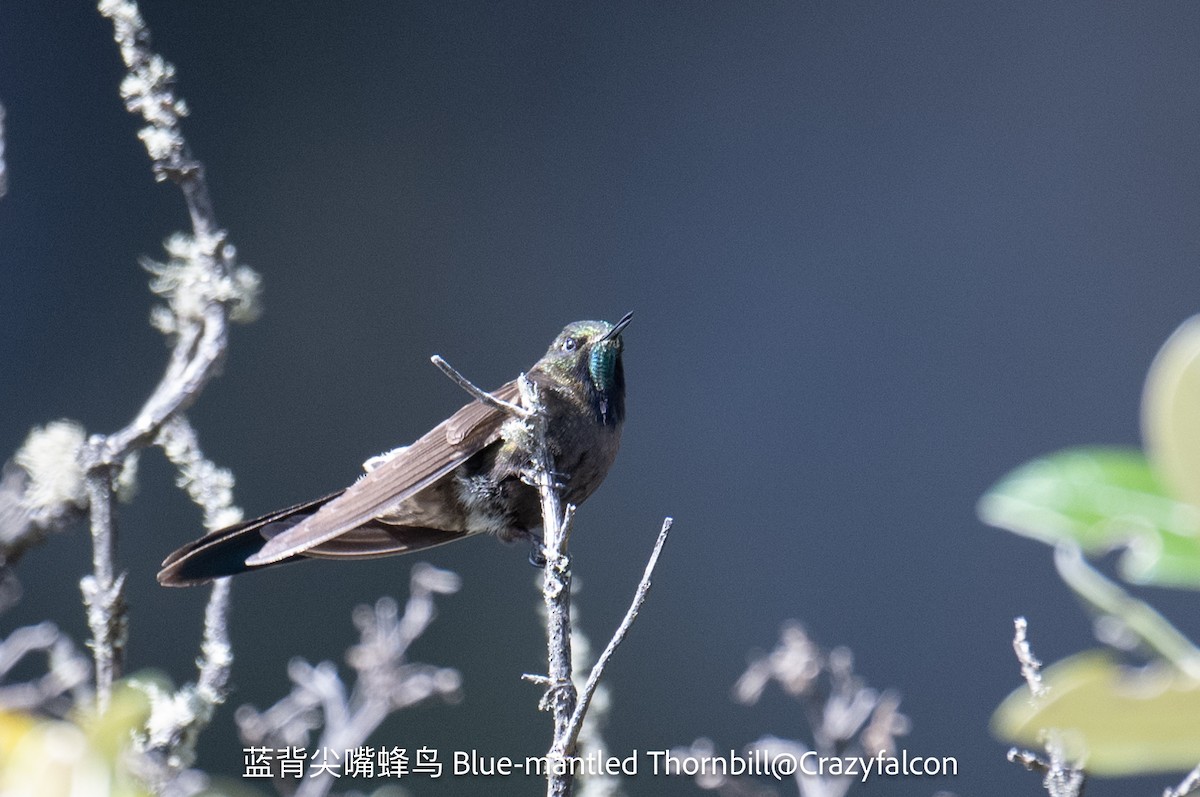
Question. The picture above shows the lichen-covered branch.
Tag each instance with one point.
(168, 742)
(204, 286)
(104, 589)
(60, 474)
(43, 489)
(148, 90)
(210, 487)
(204, 289)
(177, 718)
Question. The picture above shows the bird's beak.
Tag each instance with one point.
(616, 330)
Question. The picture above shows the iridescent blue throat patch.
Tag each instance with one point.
(602, 365)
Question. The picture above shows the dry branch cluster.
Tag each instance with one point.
(844, 716)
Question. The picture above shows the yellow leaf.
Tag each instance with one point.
(1171, 412)
(1124, 721)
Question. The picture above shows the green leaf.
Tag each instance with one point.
(1171, 412)
(1124, 721)
(1102, 499)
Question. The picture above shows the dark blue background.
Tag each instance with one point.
(879, 254)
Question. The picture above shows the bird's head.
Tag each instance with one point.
(586, 356)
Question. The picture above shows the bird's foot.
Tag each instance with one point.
(537, 551)
(533, 477)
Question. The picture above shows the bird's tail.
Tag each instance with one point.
(224, 552)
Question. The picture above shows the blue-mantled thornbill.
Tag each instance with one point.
(468, 475)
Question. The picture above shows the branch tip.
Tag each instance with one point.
(477, 392)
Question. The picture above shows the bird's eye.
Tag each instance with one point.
(570, 344)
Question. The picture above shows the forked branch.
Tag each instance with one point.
(568, 705)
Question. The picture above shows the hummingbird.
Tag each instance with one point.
(466, 476)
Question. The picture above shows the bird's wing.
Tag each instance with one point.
(381, 539)
(411, 470)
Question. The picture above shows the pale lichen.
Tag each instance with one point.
(209, 486)
(50, 455)
(189, 283)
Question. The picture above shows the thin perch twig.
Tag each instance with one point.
(561, 695)
(562, 698)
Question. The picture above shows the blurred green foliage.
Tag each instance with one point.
(1114, 718)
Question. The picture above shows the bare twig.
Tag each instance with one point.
(591, 783)
(66, 671)
(3, 166)
(477, 392)
(589, 689)
(1060, 778)
(1189, 785)
(1031, 668)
